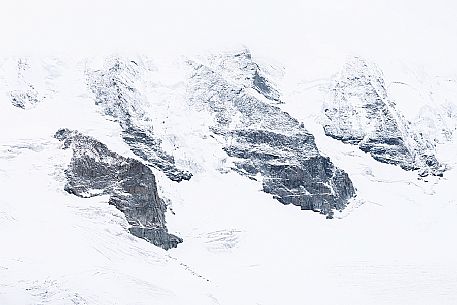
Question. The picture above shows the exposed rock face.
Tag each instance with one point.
(359, 111)
(95, 170)
(116, 92)
(245, 72)
(267, 144)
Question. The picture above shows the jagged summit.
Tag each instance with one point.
(358, 110)
(241, 69)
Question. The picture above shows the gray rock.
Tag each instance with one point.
(268, 144)
(359, 111)
(245, 72)
(95, 170)
(116, 93)
(145, 146)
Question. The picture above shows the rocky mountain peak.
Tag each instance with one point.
(358, 110)
(96, 170)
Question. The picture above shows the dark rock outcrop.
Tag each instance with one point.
(145, 146)
(359, 111)
(95, 170)
(268, 144)
(116, 93)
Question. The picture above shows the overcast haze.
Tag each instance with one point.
(423, 31)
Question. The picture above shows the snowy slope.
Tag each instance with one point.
(60, 249)
(392, 244)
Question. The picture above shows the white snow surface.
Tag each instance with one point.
(394, 244)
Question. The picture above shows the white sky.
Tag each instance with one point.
(420, 30)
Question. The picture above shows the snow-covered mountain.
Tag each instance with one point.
(360, 111)
(130, 179)
(265, 142)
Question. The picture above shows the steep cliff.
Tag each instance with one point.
(95, 170)
(266, 143)
(117, 91)
(358, 110)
